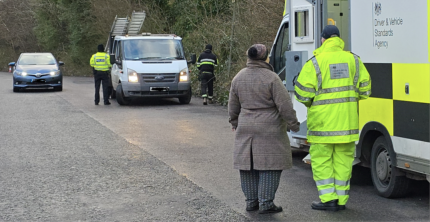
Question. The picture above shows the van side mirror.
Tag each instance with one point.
(11, 64)
(112, 59)
(61, 63)
(193, 59)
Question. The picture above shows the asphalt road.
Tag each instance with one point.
(65, 159)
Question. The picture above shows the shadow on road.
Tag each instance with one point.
(36, 90)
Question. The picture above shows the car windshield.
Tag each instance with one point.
(146, 49)
(36, 60)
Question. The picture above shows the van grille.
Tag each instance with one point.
(159, 77)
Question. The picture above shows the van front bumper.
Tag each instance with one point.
(156, 90)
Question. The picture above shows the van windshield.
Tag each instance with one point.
(146, 49)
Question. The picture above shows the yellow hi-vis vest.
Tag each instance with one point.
(100, 61)
(330, 85)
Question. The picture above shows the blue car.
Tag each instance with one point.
(37, 71)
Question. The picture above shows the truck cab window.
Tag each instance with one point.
(282, 45)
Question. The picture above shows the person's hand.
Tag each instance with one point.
(233, 129)
(296, 128)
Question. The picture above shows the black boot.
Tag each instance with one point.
(330, 206)
(274, 209)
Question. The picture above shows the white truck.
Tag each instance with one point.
(145, 64)
(392, 39)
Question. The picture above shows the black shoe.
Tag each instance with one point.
(254, 208)
(330, 206)
(341, 207)
(205, 101)
(96, 104)
(108, 103)
(274, 209)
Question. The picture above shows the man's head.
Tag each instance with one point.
(100, 48)
(208, 47)
(328, 32)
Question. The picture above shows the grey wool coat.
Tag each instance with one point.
(260, 110)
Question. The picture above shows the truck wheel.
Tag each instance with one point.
(186, 99)
(386, 177)
(120, 98)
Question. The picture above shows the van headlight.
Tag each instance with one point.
(183, 76)
(55, 73)
(132, 75)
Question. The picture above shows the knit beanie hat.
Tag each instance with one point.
(257, 52)
(209, 46)
(100, 48)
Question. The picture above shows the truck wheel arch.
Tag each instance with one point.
(369, 133)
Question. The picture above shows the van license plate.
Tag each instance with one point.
(159, 89)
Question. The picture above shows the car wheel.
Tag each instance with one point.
(58, 88)
(15, 89)
(120, 98)
(386, 177)
(186, 99)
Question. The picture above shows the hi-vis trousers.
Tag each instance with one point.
(332, 168)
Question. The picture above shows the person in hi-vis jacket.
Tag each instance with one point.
(206, 64)
(330, 84)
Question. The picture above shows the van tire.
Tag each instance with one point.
(120, 98)
(387, 179)
(15, 89)
(113, 94)
(186, 99)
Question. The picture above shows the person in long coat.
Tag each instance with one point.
(261, 112)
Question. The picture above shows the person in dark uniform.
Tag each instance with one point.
(206, 64)
(101, 64)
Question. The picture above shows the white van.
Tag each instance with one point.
(150, 65)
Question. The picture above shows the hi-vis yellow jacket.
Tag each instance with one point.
(100, 61)
(330, 85)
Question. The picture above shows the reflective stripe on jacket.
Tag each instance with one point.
(330, 85)
(100, 61)
(207, 61)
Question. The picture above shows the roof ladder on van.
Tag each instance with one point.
(119, 26)
(125, 26)
(136, 23)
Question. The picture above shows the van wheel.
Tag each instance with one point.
(58, 88)
(186, 99)
(386, 177)
(120, 98)
(113, 94)
(15, 89)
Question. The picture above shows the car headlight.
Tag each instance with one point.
(183, 76)
(132, 75)
(19, 73)
(55, 73)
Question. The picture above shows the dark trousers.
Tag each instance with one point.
(207, 82)
(103, 78)
(259, 187)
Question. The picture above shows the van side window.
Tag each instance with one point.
(113, 50)
(118, 53)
